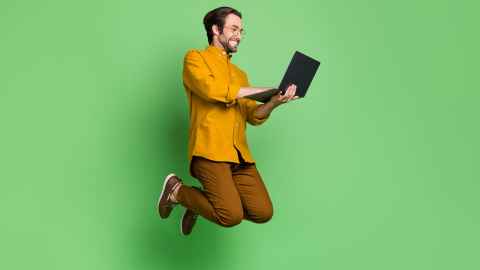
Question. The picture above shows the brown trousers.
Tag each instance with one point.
(231, 192)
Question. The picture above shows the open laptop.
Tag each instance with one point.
(300, 72)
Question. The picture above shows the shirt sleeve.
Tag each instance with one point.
(251, 105)
(198, 78)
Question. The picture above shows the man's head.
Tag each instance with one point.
(224, 28)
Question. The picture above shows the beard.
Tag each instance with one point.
(231, 45)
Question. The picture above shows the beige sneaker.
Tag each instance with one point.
(165, 204)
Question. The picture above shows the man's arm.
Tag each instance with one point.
(246, 91)
(199, 79)
(264, 110)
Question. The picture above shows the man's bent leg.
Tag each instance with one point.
(219, 200)
(253, 193)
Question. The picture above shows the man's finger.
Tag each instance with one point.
(290, 94)
(287, 94)
(290, 87)
(290, 90)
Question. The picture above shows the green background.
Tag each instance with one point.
(376, 169)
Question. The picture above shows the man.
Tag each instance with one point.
(218, 153)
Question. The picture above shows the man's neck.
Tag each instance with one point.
(218, 45)
(221, 47)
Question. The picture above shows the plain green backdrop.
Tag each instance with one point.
(376, 169)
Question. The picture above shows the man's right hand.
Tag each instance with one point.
(279, 99)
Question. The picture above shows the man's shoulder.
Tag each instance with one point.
(192, 52)
(195, 54)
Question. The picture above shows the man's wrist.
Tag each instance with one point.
(273, 104)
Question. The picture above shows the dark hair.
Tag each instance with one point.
(217, 17)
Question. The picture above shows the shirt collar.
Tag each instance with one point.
(218, 51)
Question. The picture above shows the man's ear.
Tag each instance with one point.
(215, 30)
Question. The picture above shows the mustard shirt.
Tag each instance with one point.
(217, 118)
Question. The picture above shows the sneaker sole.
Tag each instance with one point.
(163, 191)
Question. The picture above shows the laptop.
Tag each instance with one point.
(300, 71)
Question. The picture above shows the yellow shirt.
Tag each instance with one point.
(217, 118)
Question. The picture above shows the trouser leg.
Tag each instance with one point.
(253, 193)
(219, 201)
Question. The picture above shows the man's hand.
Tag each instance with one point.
(265, 109)
(279, 99)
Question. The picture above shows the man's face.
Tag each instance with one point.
(232, 33)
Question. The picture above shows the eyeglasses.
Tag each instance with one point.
(236, 31)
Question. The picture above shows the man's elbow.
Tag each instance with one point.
(257, 121)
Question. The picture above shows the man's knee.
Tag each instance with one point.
(230, 218)
(262, 215)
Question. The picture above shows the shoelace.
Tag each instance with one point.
(170, 196)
